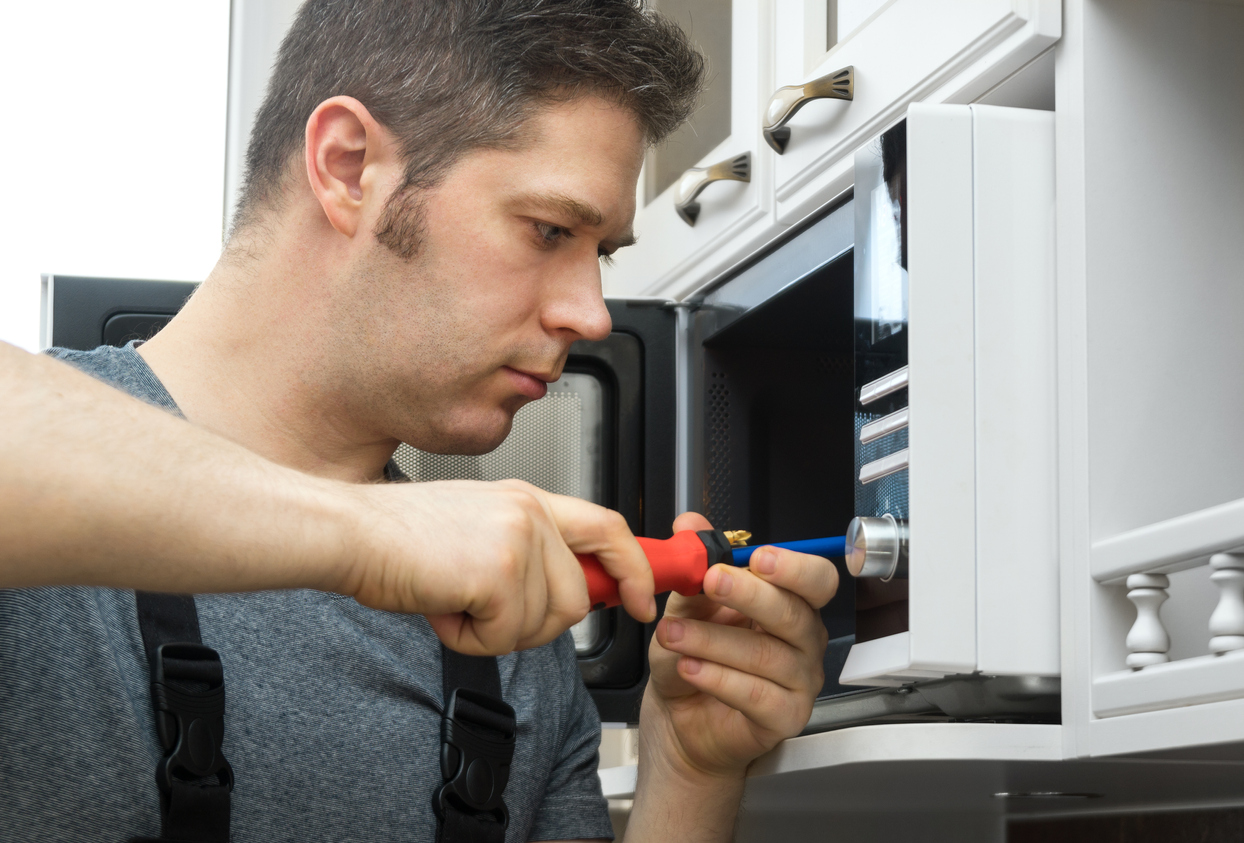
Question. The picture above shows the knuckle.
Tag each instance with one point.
(519, 519)
(758, 694)
(614, 523)
(528, 501)
(509, 563)
(767, 655)
(792, 615)
(801, 712)
(576, 610)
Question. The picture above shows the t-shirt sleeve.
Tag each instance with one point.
(574, 807)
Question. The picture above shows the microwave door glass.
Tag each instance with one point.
(880, 353)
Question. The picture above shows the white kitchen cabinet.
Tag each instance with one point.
(905, 51)
(671, 256)
(900, 51)
(1150, 133)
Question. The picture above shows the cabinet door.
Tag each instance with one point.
(901, 51)
(1150, 211)
(672, 256)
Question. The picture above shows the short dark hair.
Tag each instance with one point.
(449, 76)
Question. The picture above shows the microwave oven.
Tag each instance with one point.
(886, 370)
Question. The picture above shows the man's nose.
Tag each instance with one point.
(580, 309)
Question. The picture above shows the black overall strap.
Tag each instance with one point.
(188, 693)
(477, 746)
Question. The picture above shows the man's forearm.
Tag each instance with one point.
(97, 488)
(676, 803)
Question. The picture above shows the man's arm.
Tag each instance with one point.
(97, 488)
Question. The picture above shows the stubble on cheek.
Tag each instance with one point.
(448, 394)
(400, 228)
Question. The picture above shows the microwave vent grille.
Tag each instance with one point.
(717, 486)
(546, 446)
(887, 494)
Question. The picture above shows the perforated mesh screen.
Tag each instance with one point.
(889, 494)
(555, 444)
(717, 430)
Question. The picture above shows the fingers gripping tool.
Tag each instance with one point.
(679, 563)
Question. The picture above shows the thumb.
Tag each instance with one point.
(691, 521)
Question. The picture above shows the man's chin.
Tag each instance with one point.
(467, 443)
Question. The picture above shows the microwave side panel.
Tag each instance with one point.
(1016, 393)
(942, 565)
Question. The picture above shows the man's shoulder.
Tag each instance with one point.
(122, 368)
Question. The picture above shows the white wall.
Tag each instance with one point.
(112, 144)
(258, 27)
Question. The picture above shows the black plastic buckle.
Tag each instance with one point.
(477, 746)
(188, 689)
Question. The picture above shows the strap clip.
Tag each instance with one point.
(188, 690)
(477, 746)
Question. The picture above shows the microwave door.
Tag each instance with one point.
(631, 444)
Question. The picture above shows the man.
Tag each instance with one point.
(430, 188)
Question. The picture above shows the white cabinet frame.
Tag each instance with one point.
(936, 51)
(672, 258)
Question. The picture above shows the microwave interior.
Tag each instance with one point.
(776, 397)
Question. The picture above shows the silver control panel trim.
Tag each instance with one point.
(883, 386)
(884, 467)
(883, 426)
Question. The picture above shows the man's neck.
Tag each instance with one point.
(247, 359)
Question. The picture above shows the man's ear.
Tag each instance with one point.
(344, 146)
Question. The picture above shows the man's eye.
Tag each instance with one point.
(550, 234)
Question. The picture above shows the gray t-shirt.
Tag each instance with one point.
(332, 718)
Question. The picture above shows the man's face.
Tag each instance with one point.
(452, 341)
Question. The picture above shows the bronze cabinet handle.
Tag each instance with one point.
(839, 85)
(694, 180)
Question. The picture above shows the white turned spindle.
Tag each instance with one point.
(1226, 624)
(1147, 642)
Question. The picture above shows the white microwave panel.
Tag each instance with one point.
(1016, 392)
(983, 567)
(941, 353)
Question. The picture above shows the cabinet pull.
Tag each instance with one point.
(839, 85)
(695, 179)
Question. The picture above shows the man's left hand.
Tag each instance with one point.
(736, 669)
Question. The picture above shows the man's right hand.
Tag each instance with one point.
(491, 565)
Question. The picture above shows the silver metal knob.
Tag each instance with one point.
(877, 547)
(691, 182)
(839, 85)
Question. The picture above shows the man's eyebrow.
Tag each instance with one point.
(579, 212)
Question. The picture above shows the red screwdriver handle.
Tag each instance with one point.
(678, 564)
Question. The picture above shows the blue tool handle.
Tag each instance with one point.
(828, 547)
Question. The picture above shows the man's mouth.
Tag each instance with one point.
(530, 384)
